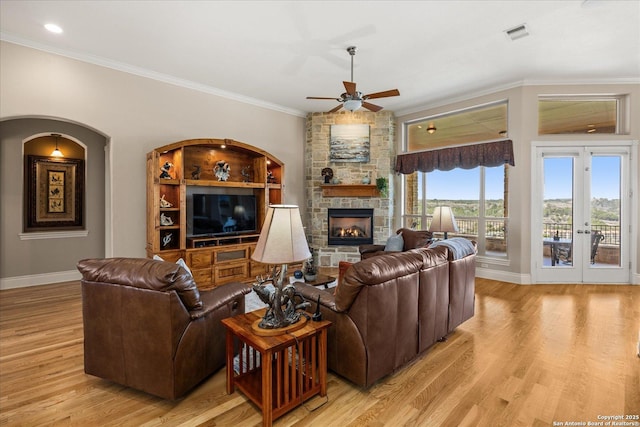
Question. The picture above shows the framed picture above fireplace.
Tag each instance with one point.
(349, 143)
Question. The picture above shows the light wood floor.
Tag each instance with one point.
(532, 355)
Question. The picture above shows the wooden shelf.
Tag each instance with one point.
(350, 190)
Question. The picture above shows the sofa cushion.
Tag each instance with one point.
(394, 243)
(143, 273)
(414, 239)
(180, 262)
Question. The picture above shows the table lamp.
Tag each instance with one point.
(443, 220)
(282, 241)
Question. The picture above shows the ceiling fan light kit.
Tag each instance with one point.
(352, 100)
(352, 104)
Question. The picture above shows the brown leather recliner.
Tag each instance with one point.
(147, 326)
(413, 239)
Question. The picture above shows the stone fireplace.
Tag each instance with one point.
(381, 163)
(349, 227)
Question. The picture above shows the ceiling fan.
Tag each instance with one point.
(352, 99)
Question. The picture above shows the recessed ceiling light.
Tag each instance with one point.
(53, 28)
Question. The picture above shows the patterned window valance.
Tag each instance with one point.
(489, 154)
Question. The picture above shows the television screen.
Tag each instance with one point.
(223, 214)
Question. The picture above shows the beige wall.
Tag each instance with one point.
(523, 122)
(136, 114)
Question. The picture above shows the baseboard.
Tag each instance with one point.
(523, 279)
(503, 276)
(39, 279)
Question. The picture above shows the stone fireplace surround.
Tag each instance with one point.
(381, 163)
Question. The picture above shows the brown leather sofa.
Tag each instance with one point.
(390, 308)
(412, 239)
(147, 326)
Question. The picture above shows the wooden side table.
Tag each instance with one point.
(279, 372)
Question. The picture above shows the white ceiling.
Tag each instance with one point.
(275, 53)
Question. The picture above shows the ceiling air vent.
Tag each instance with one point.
(518, 32)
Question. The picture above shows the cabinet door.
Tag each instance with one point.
(230, 272)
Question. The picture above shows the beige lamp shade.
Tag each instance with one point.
(282, 239)
(443, 220)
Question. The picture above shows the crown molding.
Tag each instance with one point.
(142, 72)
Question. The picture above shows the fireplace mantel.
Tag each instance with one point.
(350, 190)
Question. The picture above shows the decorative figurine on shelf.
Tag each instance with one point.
(246, 174)
(195, 173)
(327, 174)
(165, 170)
(367, 179)
(167, 239)
(270, 178)
(222, 170)
(165, 203)
(165, 220)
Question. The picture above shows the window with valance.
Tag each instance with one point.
(490, 154)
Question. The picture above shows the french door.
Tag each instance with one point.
(580, 214)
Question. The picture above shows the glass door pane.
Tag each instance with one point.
(558, 210)
(605, 210)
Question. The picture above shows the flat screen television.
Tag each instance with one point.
(220, 214)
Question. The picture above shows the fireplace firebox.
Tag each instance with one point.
(350, 227)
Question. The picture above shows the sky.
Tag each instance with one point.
(605, 177)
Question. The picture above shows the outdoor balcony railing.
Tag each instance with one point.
(495, 228)
(611, 233)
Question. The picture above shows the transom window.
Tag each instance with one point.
(482, 123)
(580, 115)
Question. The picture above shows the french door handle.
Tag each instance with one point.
(580, 231)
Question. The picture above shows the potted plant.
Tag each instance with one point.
(382, 185)
(309, 270)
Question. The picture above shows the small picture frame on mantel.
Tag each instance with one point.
(349, 143)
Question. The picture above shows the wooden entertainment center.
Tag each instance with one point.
(177, 171)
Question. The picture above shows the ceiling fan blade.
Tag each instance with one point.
(350, 87)
(371, 107)
(336, 109)
(319, 97)
(386, 93)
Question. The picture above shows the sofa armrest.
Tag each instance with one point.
(370, 248)
(311, 293)
(220, 296)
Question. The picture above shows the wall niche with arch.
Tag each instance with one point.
(54, 184)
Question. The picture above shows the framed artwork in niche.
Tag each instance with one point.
(349, 143)
(54, 194)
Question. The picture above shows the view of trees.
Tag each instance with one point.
(603, 211)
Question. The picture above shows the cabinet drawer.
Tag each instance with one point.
(200, 259)
(230, 272)
(202, 276)
(259, 269)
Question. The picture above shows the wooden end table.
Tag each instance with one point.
(279, 372)
(321, 280)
